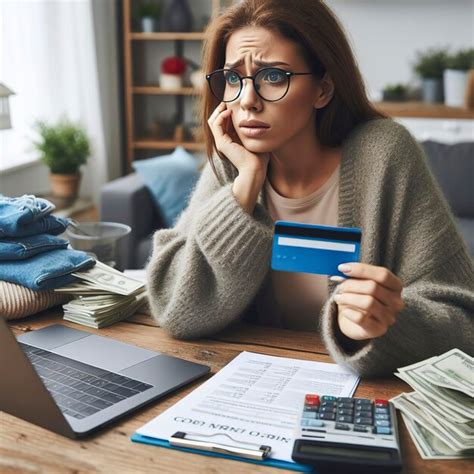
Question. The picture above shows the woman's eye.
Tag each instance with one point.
(232, 78)
(274, 76)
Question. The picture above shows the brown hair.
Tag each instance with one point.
(315, 28)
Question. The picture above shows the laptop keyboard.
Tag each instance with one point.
(79, 389)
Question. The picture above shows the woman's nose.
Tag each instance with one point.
(248, 96)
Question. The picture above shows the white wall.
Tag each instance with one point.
(386, 33)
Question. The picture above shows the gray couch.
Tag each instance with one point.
(128, 201)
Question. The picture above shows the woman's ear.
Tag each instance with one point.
(325, 91)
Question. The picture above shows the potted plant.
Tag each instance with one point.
(429, 66)
(148, 12)
(64, 147)
(395, 92)
(172, 70)
(456, 77)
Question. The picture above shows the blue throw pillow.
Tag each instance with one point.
(170, 179)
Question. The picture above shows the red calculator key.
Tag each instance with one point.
(381, 402)
(311, 399)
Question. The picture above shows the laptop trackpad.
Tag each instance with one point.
(105, 353)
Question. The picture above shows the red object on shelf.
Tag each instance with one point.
(173, 65)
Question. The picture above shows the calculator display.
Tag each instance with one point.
(349, 453)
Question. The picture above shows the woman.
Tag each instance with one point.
(296, 139)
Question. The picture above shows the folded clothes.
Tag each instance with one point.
(20, 248)
(28, 215)
(46, 270)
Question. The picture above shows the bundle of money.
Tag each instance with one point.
(103, 296)
(439, 414)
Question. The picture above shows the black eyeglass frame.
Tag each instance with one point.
(288, 74)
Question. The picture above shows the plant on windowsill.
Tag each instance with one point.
(64, 148)
(459, 67)
(395, 92)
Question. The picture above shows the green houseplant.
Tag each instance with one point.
(64, 148)
(148, 11)
(429, 66)
(395, 92)
(456, 77)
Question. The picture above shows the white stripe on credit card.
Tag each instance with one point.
(316, 244)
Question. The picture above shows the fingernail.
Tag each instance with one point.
(336, 278)
(344, 268)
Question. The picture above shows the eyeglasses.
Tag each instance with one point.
(270, 83)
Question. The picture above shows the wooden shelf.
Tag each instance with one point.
(156, 90)
(154, 144)
(423, 110)
(190, 36)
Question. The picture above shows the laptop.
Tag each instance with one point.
(73, 382)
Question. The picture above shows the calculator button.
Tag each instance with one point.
(345, 411)
(345, 418)
(314, 408)
(345, 405)
(382, 430)
(331, 405)
(327, 398)
(363, 401)
(361, 428)
(363, 421)
(327, 409)
(381, 402)
(384, 411)
(310, 414)
(327, 416)
(381, 416)
(311, 399)
(345, 400)
(382, 423)
(364, 413)
(342, 426)
(312, 423)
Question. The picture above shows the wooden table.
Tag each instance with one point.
(27, 448)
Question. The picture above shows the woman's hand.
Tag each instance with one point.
(368, 302)
(228, 143)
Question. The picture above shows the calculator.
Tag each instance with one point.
(340, 434)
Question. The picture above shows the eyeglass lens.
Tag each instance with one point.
(271, 84)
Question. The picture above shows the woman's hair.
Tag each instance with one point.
(314, 27)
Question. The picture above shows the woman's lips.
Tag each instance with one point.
(254, 132)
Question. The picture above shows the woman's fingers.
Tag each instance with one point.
(369, 304)
(364, 271)
(371, 287)
(358, 326)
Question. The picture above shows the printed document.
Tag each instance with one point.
(254, 399)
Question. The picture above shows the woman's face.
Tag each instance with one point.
(246, 50)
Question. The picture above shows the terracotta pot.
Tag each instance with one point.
(65, 186)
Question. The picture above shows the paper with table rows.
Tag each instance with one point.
(254, 399)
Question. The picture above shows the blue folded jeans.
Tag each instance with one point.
(25, 247)
(28, 215)
(46, 270)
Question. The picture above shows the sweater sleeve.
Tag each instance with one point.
(205, 271)
(438, 316)
(422, 246)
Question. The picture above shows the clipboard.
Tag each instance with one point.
(195, 443)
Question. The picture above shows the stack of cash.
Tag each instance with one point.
(103, 296)
(439, 414)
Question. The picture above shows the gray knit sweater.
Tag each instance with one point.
(213, 267)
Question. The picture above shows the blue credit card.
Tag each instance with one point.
(310, 248)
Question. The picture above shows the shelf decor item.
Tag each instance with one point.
(395, 92)
(64, 147)
(148, 12)
(456, 77)
(172, 72)
(178, 17)
(429, 66)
